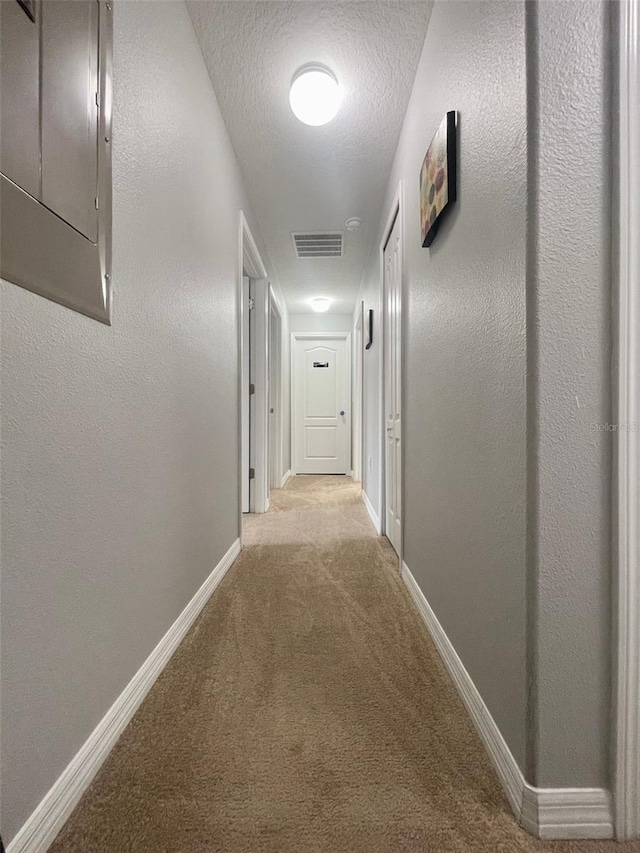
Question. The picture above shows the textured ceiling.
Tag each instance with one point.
(302, 178)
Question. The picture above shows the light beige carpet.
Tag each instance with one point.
(307, 711)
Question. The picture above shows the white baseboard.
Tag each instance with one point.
(285, 479)
(545, 812)
(505, 764)
(41, 828)
(567, 812)
(372, 513)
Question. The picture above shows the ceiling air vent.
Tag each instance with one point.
(318, 244)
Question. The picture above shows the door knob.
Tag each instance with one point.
(342, 411)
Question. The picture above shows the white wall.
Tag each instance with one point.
(320, 322)
(120, 444)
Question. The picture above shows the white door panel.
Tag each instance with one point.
(320, 386)
(392, 386)
(275, 396)
(320, 413)
(321, 442)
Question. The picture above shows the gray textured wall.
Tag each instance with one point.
(464, 306)
(569, 319)
(120, 444)
(507, 483)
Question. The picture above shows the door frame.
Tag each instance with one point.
(276, 396)
(249, 264)
(245, 415)
(395, 211)
(319, 336)
(627, 465)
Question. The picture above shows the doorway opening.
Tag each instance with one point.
(261, 390)
(253, 291)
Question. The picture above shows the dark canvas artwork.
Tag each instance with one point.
(438, 178)
(29, 7)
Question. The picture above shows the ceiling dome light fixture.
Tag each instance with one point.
(320, 304)
(353, 223)
(315, 95)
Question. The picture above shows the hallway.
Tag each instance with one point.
(297, 276)
(306, 710)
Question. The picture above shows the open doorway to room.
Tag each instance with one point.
(259, 395)
(261, 326)
(253, 291)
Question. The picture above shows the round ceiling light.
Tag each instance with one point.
(320, 304)
(315, 95)
(353, 223)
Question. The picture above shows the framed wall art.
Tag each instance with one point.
(29, 7)
(438, 178)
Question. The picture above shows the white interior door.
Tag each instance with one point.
(259, 397)
(321, 420)
(275, 369)
(246, 349)
(393, 385)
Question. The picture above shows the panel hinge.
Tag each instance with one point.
(252, 303)
(98, 99)
(96, 203)
(252, 473)
(252, 388)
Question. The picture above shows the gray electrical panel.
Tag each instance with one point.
(55, 150)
